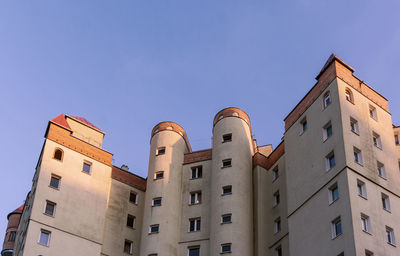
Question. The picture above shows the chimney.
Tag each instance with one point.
(125, 167)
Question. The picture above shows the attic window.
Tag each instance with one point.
(58, 154)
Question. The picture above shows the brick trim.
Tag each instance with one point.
(128, 178)
(197, 156)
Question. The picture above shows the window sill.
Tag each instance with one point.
(223, 167)
(153, 233)
(382, 177)
(392, 244)
(49, 215)
(87, 173)
(380, 148)
(195, 178)
(193, 204)
(134, 228)
(367, 232)
(225, 252)
(226, 194)
(135, 203)
(363, 197)
(156, 205)
(225, 141)
(333, 238)
(330, 203)
(323, 140)
(387, 210)
(356, 133)
(194, 231)
(43, 245)
(228, 222)
(54, 188)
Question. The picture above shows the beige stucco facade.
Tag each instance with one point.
(308, 196)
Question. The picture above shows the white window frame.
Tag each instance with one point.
(278, 251)
(325, 134)
(227, 244)
(277, 225)
(134, 221)
(376, 140)
(161, 151)
(154, 225)
(54, 208)
(228, 160)
(195, 222)
(381, 170)
(226, 215)
(197, 197)
(333, 227)
(158, 178)
(362, 189)
(130, 247)
(390, 238)
(136, 197)
(276, 199)
(372, 113)
(328, 161)
(88, 164)
(365, 223)
(196, 170)
(195, 247)
(331, 190)
(385, 202)
(56, 177)
(303, 125)
(227, 137)
(327, 100)
(354, 126)
(43, 231)
(275, 173)
(226, 187)
(154, 199)
(357, 156)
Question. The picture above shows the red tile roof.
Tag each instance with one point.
(16, 211)
(85, 121)
(60, 120)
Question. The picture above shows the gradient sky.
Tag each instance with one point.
(126, 65)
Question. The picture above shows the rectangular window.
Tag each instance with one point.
(354, 125)
(226, 248)
(131, 221)
(327, 131)
(381, 170)
(11, 238)
(133, 197)
(50, 208)
(159, 175)
(194, 224)
(194, 251)
(330, 161)
(128, 247)
(327, 99)
(154, 229)
(365, 223)
(55, 181)
(333, 193)
(372, 113)
(275, 173)
(368, 253)
(277, 225)
(385, 202)
(227, 190)
(87, 166)
(156, 201)
(226, 163)
(303, 125)
(160, 151)
(336, 227)
(396, 139)
(226, 218)
(44, 238)
(357, 156)
(197, 172)
(276, 198)
(227, 137)
(195, 198)
(278, 251)
(361, 189)
(376, 139)
(390, 236)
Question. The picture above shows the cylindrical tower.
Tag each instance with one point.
(161, 221)
(231, 184)
(11, 232)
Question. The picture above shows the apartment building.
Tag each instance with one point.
(331, 187)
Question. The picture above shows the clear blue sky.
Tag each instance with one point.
(127, 65)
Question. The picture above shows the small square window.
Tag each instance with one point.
(133, 197)
(327, 99)
(275, 173)
(160, 151)
(157, 201)
(50, 208)
(227, 137)
(390, 236)
(354, 125)
(226, 163)
(372, 113)
(226, 218)
(365, 223)
(277, 225)
(303, 125)
(385, 202)
(44, 238)
(330, 161)
(128, 247)
(227, 190)
(376, 139)
(333, 193)
(154, 229)
(368, 253)
(276, 198)
(327, 131)
(226, 248)
(131, 221)
(197, 172)
(381, 170)
(357, 156)
(159, 175)
(336, 227)
(194, 251)
(55, 181)
(361, 189)
(86, 167)
(194, 224)
(195, 198)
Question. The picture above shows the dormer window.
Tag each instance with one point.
(58, 154)
(327, 99)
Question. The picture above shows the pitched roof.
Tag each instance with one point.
(86, 122)
(16, 211)
(60, 120)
